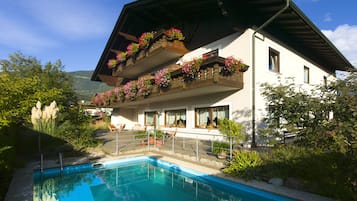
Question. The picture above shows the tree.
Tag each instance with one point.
(24, 81)
(308, 114)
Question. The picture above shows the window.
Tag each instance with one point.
(175, 118)
(306, 75)
(150, 118)
(209, 116)
(274, 60)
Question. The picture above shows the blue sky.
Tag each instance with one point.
(76, 31)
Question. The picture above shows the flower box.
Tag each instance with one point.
(160, 52)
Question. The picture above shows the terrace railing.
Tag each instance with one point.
(198, 147)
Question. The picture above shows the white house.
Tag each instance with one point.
(273, 37)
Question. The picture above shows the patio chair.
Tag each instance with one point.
(112, 128)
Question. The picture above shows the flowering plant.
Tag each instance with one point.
(145, 86)
(191, 68)
(121, 56)
(112, 63)
(174, 34)
(162, 78)
(119, 94)
(132, 49)
(231, 65)
(145, 39)
(102, 100)
(109, 95)
(130, 90)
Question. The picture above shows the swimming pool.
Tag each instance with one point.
(140, 178)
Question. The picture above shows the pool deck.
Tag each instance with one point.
(21, 187)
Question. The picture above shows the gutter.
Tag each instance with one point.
(253, 144)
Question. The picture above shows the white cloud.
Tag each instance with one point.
(345, 39)
(19, 36)
(77, 19)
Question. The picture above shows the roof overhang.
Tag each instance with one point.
(204, 21)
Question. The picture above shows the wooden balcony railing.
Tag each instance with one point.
(207, 81)
(160, 52)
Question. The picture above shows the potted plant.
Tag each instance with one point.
(112, 63)
(162, 78)
(109, 96)
(119, 94)
(232, 64)
(121, 56)
(142, 136)
(220, 149)
(130, 90)
(190, 69)
(145, 40)
(159, 136)
(174, 34)
(144, 86)
(132, 49)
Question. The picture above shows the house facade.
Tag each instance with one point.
(290, 46)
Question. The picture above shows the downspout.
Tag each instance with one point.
(253, 66)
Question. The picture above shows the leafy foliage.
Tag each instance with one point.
(231, 128)
(218, 147)
(24, 81)
(308, 115)
(243, 164)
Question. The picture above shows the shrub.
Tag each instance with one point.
(244, 164)
(218, 147)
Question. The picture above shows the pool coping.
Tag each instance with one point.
(21, 187)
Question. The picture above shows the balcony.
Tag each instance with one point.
(160, 53)
(208, 81)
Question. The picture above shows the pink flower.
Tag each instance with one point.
(145, 39)
(231, 65)
(121, 56)
(132, 48)
(130, 90)
(102, 100)
(145, 86)
(174, 34)
(162, 78)
(191, 68)
(112, 63)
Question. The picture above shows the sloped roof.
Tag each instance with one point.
(204, 21)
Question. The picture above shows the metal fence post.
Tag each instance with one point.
(148, 138)
(230, 148)
(116, 142)
(197, 149)
(154, 138)
(173, 145)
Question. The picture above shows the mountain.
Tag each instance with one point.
(86, 88)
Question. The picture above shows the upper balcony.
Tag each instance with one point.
(160, 53)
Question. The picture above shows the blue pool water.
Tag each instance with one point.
(139, 179)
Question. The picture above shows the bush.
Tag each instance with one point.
(79, 136)
(332, 174)
(218, 147)
(244, 164)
